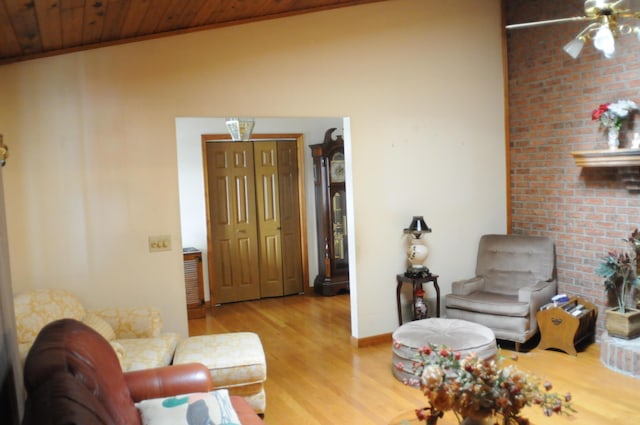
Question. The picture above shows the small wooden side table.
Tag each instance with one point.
(416, 282)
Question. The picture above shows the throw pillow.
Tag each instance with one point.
(212, 408)
(99, 325)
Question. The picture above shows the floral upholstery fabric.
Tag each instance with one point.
(254, 394)
(236, 362)
(120, 326)
(23, 350)
(145, 353)
(99, 325)
(140, 322)
(34, 309)
(119, 349)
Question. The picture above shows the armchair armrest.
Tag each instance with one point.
(168, 381)
(541, 292)
(467, 286)
(538, 294)
(135, 322)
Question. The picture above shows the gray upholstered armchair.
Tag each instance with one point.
(515, 275)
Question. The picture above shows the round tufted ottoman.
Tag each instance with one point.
(459, 335)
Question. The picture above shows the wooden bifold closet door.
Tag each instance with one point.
(254, 220)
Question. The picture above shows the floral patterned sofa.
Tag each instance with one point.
(134, 333)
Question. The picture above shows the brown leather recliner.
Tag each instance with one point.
(72, 376)
(515, 275)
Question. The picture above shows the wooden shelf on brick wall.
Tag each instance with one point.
(626, 160)
(608, 158)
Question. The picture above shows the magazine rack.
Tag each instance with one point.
(566, 325)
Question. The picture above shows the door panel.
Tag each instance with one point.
(223, 265)
(266, 171)
(235, 261)
(290, 217)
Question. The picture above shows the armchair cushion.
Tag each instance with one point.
(510, 262)
(490, 303)
(508, 282)
(99, 325)
(142, 353)
(136, 322)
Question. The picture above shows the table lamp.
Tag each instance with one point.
(417, 252)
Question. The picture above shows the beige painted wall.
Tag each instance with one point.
(93, 169)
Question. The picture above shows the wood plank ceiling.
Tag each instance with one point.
(37, 28)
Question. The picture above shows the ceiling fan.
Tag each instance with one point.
(609, 21)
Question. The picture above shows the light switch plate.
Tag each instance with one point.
(160, 243)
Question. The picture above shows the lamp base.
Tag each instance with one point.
(418, 272)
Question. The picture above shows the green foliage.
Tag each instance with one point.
(619, 271)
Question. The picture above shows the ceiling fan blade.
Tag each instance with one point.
(552, 21)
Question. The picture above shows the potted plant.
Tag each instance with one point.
(621, 280)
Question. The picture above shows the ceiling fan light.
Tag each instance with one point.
(574, 47)
(604, 41)
(240, 129)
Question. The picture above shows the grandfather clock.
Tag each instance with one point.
(331, 215)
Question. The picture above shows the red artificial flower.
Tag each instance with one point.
(597, 113)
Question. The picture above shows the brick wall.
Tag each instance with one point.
(551, 95)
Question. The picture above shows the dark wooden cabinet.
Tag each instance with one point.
(331, 215)
(193, 283)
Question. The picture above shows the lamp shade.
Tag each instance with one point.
(574, 47)
(417, 226)
(604, 41)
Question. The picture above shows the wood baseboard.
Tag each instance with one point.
(371, 340)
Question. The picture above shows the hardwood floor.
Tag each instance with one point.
(316, 377)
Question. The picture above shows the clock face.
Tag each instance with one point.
(337, 168)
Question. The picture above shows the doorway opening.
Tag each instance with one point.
(254, 192)
(189, 131)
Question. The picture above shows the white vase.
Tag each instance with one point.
(613, 139)
(635, 142)
(417, 253)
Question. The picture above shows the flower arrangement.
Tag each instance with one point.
(479, 389)
(613, 115)
(619, 269)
